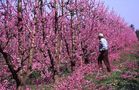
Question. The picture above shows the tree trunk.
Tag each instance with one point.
(52, 64)
(48, 50)
(8, 60)
(19, 81)
(73, 42)
(57, 33)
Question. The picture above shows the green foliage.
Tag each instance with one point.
(64, 70)
(33, 77)
(112, 80)
(126, 84)
(35, 74)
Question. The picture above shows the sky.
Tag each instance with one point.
(128, 9)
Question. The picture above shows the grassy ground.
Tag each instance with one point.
(126, 77)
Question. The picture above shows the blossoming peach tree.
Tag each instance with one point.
(39, 35)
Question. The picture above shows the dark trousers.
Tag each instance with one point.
(103, 56)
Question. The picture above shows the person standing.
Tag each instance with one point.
(103, 53)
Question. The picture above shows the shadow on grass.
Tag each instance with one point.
(126, 84)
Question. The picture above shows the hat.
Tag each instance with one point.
(100, 35)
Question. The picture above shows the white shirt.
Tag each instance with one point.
(103, 44)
